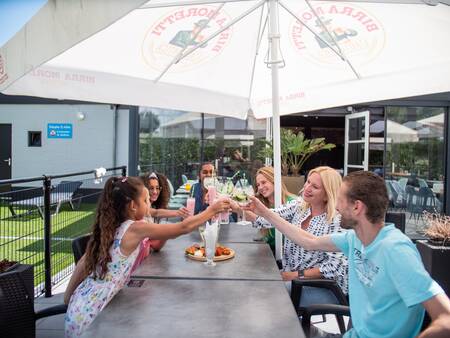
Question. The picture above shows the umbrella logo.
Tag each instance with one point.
(182, 30)
(3, 75)
(358, 33)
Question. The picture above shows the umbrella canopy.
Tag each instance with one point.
(433, 121)
(130, 52)
(395, 132)
(223, 57)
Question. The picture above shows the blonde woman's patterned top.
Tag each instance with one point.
(332, 265)
(92, 295)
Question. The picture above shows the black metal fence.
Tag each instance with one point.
(40, 216)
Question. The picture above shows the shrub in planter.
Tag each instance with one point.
(438, 230)
(6, 265)
(435, 251)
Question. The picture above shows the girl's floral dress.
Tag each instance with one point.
(91, 296)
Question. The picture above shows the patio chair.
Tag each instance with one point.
(79, 246)
(63, 192)
(429, 201)
(296, 293)
(176, 201)
(398, 195)
(338, 310)
(17, 315)
(398, 218)
(414, 203)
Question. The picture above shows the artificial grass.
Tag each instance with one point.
(22, 238)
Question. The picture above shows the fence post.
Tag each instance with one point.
(124, 171)
(47, 237)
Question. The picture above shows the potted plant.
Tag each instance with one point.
(435, 251)
(7, 265)
(267, 151)
(295, 151)
(300, 149)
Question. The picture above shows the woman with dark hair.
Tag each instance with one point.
(158, 188)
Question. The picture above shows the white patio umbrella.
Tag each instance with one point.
(223, 57)
(395, 132)
(433, 121)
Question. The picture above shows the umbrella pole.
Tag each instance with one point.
(274, 38)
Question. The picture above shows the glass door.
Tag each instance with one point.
(356, 147)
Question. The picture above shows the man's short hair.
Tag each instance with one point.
(370, 189)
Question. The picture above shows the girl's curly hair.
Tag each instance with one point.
(112, 211)
(162, 201)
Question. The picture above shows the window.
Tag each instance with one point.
(34, 138)
(415, 161)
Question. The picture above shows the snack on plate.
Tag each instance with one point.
(198, 251)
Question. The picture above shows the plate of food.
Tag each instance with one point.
(197, 253)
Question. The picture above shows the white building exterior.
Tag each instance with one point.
(99, 138)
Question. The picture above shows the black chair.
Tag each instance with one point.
(17, 315)
(79, 246)
(398, 218)
(414, 202)
(296, 293)
(338, 310)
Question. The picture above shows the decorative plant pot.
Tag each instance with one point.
(295, 171)
(439, 242)
(284, 169)
(435, 259)
(294, 183)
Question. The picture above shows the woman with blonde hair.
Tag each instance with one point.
(264, 191)
(314, 211)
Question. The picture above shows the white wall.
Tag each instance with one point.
(91, 145)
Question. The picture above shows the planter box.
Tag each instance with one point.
(294, 183)
(436, 259)
(16, 302)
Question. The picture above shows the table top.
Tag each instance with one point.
(199, 308)
(232, 233)
(251, 262)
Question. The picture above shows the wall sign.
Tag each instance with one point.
(59, 130)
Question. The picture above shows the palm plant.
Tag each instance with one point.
(301, 148)
(267, 151)
(295, 150)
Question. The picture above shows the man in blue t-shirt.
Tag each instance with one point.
(389, 288)
(198, 191)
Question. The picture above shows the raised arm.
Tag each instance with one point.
(166, 213)
(141, 229)
(297, 235)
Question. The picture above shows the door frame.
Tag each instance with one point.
(364, 140)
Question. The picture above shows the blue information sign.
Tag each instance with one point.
(59, 130)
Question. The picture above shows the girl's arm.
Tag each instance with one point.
(141, 229)
(77, 277)
(166, 213)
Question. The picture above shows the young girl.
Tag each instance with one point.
(116, 235)
(159, 195)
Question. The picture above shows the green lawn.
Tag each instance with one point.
(22, 237)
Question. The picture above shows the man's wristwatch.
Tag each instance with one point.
(301, 273)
